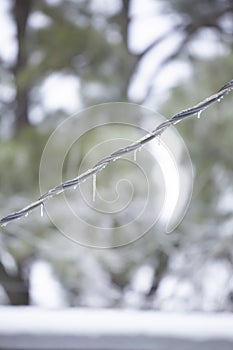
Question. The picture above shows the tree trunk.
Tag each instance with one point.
(15, 286)
(21, 11)
(160, 271)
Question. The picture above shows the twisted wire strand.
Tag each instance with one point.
(101, 164)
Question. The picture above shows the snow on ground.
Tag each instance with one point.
(96, 322)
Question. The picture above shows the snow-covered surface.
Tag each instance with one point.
(86, 329)
(16, 320)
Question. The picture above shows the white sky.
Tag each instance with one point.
(8, 47)
(61, 91)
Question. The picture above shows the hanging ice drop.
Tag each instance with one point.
(199, 114)
(41, 209)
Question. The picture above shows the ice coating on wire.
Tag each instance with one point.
(133, 147)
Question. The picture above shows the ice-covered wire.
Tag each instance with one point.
(197, 109)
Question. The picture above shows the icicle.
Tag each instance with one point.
(220, 98)
(135, 155)
(75, 186)
(41, 210)
(5, 223)
(199, 114)
(26, 215)
(139, 149)
(93, 187)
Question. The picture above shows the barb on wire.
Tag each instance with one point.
(197, 109)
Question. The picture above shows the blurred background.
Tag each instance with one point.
(58, 57)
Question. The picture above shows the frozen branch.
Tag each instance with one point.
(186, 113)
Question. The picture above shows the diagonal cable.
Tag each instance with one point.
(186, 113)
